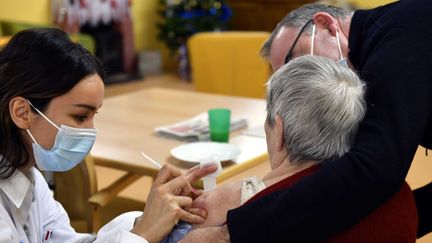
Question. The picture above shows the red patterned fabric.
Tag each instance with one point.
(125, 26)
(395, 221)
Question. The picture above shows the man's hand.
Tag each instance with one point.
(209, 235)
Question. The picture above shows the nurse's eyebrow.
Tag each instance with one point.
(89, 107)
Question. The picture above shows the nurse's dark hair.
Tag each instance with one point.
(37, 64)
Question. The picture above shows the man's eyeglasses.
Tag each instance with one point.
(288, 57)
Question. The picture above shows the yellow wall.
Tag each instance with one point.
(32, 11)
(369, 3)
(144, 14)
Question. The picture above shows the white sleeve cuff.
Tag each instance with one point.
(127, 236)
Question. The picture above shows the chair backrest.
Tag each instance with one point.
(4, 40)
(73, 189)
(229, 63)
(87, 206)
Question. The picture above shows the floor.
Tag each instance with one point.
(171, 81)
(419, 174)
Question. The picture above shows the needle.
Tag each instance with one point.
(151, 160)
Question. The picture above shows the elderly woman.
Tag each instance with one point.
(314, 107)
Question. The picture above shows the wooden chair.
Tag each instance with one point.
(229, 63)
(89, 209)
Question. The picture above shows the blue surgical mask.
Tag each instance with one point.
(70, 147)
(342, 61)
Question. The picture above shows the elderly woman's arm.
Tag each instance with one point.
(217, 202)
(218, 234)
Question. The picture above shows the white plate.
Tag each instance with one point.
(194, 152)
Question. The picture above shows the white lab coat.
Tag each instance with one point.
(29, 213)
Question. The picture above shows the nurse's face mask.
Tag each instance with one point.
(342, 59)
(70, 147)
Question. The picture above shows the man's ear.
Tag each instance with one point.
(323, 20)
(19, 110)
(279, 133)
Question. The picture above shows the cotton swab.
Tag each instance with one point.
(151, 160)
(209, 181)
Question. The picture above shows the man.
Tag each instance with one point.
(390, 48)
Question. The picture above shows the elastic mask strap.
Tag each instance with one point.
(42, 114)
(313, 39)
(29, 133)
(338, 44)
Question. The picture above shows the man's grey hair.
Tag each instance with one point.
(298, 17)
(321, 104)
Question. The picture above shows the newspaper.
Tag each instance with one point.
(196, 128)
(258, 132)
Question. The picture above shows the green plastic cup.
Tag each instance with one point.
(219, 120)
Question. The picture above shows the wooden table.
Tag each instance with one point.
(126, 125)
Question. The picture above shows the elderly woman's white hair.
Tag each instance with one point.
(321, 104)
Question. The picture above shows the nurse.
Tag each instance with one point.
(50, 91)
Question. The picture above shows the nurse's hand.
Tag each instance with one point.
(169, 201)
